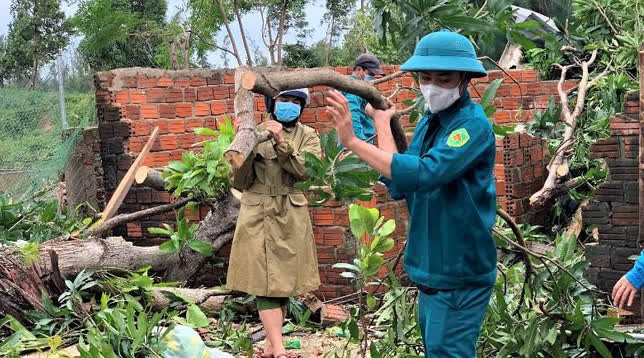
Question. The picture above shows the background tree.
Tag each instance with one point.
(338, 12)
(37, 33)
(121, 33)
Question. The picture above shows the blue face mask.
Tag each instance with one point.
(287, 111)
(369, 78)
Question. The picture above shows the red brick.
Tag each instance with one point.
(190, 95)
(186, 140)
(133, 112)
(535, 89)
(500, 188)
(511, 103)
(624, 125)
(334, 237)
(220, 92)
(137, 96)
(218, 107)
(165, 81)
(502, 117)
(569, 84)
(518, 90)
(174, 95)
(141, 129)
(326, 255)
(193, 123)
(204, 93)
(135, 144)
(167, 111)
(134, 230)
(146, 82)
(323, 217)
(230, 108)
(229, 79)
(198, 81)
(150, 111)
(123, 97)
(162, 124)
(182, 82)
(177, 154)
(129, 82)
(308, 116)
(529, 76)
(177, 126)
(202, 109)
(184, 110)
(155, 95)
(168, 142)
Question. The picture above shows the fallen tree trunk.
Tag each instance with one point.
(271, 84)
(210, 301)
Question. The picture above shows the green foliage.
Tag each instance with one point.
(365, 223)
(184, 236)
(337, 174)
(37, 33)
(559, 317)
(204, 173)
(120, 33)
(34, 221)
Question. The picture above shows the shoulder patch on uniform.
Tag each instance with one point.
(458, 138)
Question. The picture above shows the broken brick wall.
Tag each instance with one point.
(614, 210)
(130, 102)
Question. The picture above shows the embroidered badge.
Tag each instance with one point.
(458, 138)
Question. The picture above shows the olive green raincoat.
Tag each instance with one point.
(273, 252)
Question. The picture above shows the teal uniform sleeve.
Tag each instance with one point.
(444, 162)
(358, 115)
(636, 275)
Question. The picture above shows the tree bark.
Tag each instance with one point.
(210, 301)
(247, 137)
(173, 55)
(121, 219)
(34, 70)
(151, 178)
(558, 166)
(281, 32)
(230, 33)
(249, 59)
(271, 83)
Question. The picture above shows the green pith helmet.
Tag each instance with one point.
(444, 51)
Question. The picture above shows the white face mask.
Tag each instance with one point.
(439, 98)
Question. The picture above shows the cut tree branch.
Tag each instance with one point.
(558, 166)
(387, 78)
(272, 83)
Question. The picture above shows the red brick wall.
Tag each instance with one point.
(614, 210)
(130, 102)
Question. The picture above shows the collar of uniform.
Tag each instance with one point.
(291, 128)
(445, 115)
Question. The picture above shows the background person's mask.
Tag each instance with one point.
(287, 111)
(439, 98)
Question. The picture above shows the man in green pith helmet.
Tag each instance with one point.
(446, 176)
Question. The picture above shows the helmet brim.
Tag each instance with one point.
(444, 63)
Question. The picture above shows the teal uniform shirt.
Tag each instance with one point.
(363, 126)
(447, 178)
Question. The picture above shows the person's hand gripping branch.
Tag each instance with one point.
(338, 110)
(275, 129)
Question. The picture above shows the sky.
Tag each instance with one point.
(252, 25)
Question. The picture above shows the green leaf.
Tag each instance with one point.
(195, 317)
(371, 301)
(413, 117)
(387, 228)
(346, 267)
(599, 345)
(353, 329)
(168, 246)
(160, 231)
(372, 265)
(201, 247)
(408, 102)
(467, 22)
(490, 92)
(293, 344)
(373, 350)
(205, 131)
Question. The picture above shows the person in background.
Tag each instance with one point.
(367, 68)
(447, 178)
(626, 288)
(273, 253)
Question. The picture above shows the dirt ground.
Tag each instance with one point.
(314, 344)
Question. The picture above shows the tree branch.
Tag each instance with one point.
(243, 33)
(230, 33)
(281, 33)
(387, 78)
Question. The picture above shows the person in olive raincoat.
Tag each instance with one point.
(447, 178)
(273, 252)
